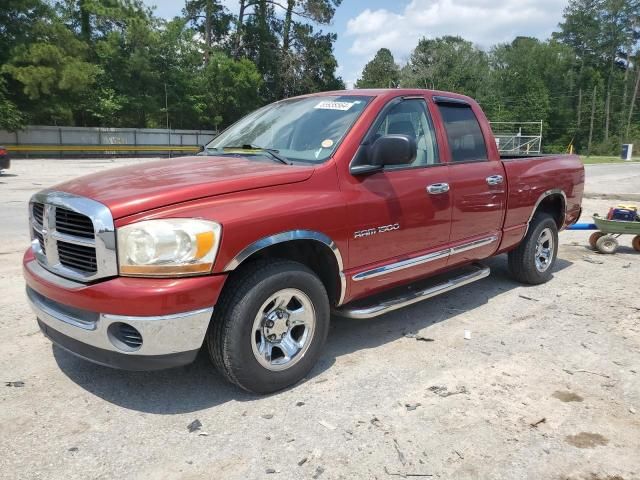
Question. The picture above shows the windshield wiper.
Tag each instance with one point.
(275, 154)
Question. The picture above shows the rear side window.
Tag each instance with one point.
(463, 131)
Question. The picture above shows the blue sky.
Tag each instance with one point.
(364, 26)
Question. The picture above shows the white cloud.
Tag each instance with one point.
(484, 22)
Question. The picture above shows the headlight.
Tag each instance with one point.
(167, 248)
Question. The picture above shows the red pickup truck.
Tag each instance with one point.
(354, 203)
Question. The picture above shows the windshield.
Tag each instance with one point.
(301, 129)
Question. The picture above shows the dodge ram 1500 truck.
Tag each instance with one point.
(354, 203)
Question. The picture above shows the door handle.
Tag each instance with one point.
(495, 180)
(436, 188)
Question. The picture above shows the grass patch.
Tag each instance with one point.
(594, 160)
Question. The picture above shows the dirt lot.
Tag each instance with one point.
(547, 387)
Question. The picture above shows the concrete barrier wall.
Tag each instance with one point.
(37, 139)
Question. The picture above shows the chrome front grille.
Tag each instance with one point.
(38, 235)
(38, 213)
(73, 223)
(77, 256)
(73, 236)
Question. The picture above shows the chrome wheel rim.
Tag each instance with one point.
(544, 250)
(283, 329)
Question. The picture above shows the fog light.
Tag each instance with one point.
(124, 337)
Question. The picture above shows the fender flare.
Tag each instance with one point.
(548, 193)
(289, 236)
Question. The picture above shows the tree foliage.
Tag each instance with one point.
(381, 72)
(114, 63)
(590, 66)
(447, 63)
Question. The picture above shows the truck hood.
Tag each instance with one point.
(137, 188)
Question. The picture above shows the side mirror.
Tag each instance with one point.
(393, 150)
(387, 150)
(200, 148)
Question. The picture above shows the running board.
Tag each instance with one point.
(399, 298)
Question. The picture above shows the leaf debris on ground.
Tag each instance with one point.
(444, 392)
(17, 383)
(535, 424)
(571, 372)
(592, 260)
(194, 426)
(406, 475)
(401, 457)
(327, 425)
(418, 337)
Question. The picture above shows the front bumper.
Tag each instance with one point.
(167, 341)
(88, 319)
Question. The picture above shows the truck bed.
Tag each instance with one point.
(529, 177)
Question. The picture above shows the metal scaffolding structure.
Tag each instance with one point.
(518, 137)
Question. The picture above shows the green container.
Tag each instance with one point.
(616, 226)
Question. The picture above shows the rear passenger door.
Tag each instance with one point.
(477, 183)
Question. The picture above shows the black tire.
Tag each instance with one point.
(522, 260)
(231, 334)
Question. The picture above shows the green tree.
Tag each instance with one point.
(317, 11)
(113, 63)
(381, 72)
(447, 63)
(229, 90)
(212, 21)
(53, 71)
(10, 117)
(309, 65)
(534, 81)
(604, 35)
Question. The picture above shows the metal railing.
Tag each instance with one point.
(518, 137)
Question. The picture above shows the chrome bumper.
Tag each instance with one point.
(87, 334)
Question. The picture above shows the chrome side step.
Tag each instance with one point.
(369, 308)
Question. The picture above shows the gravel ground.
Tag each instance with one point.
(547, 387)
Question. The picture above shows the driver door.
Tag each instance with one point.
(398, 226)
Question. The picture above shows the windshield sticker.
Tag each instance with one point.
(328, 143)
(326, 105)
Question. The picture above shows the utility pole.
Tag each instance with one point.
(166, 103)
(633, 100)
(579, 108)
(593, 114)
(607, 106)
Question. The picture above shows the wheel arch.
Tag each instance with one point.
(553, 202)
(313, 249)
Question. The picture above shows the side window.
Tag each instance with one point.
(410, 117)
(463, 131)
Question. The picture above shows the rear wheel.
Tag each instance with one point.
(607, 244)
(636, 243)
(270, 327)
(532, 261)
(593, 239)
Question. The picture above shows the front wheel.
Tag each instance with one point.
(532, 261)
(270, 327)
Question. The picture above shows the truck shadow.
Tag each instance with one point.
(198, 386)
